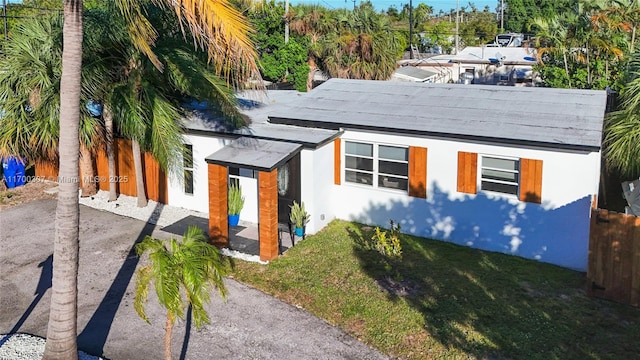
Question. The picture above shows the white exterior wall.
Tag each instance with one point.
(204, 146)
(556, 231)
(316, 168)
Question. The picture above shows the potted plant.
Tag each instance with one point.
(299, 217)
(235, 203)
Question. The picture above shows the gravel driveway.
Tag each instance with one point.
(250, 325)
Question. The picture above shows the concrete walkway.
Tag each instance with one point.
(250, 325)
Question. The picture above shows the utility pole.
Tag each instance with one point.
(286, 21)
(410, 29)
(457, 24)
(501, 15)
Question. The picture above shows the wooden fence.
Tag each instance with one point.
(613, 271)
(155, 178)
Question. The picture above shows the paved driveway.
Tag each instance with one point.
(250, 325)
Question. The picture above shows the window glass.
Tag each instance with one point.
(393, 153)
(354, 148)
(393, 168)
(187, 156)
(498, 187)
(496, 163)
(359, 177)
(188, 181)
(357, 163)
(391, 182)
(499, 175)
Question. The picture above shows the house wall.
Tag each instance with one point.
(203, 146)
(555, 231)
(317, 186)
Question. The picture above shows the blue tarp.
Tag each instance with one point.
(13, 171)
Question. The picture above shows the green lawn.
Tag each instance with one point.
(447, 301)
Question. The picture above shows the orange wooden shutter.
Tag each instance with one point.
(418, 172)
(336, 161)
(467, 172)
(531, 180)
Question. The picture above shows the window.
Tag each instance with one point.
(521, 177)
(187, 158)
(376, 165)
(499, 175)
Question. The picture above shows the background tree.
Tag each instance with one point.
(183, 272)
(29, 94)
(313, 22)
(518, 13)
(364, 46)
(622, 127)
(279, 61)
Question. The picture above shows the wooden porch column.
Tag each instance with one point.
(218, 221)
(268, 214)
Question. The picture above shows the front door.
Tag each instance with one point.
(288, 187)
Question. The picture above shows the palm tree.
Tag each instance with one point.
(622, 128)
(219, 28)
(312, 21)
(553, 38)
(63, 324)
(147, 103)
(29, 94)
(363, 47)
(183, 272)
(627, 16)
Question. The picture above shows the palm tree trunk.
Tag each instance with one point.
(633, 39)
(111, 156)
(589, 79)
(566, 68)
(88, 182)
(167, 336)
(137, 164)
(62, 328)
(312, 73)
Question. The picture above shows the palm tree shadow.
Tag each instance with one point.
(44, 283)
(94, 335)
(187, 335)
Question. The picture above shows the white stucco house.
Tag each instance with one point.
(507, 169)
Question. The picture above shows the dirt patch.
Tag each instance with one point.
(34, 190)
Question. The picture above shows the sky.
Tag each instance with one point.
(437, 5)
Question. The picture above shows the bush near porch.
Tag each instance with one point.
(446, 301)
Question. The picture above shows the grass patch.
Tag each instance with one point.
(446, 301)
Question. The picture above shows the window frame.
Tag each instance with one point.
(518, 173)
(375, 172)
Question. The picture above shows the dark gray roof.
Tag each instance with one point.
(256, 154)
(559, 118)
(256, 105)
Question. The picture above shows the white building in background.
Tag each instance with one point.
(486, 65)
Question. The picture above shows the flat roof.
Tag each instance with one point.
(556, 118)
(415, 72)
(256, 106)
(255, 154)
